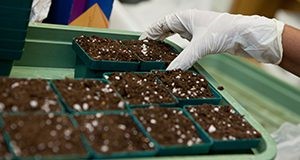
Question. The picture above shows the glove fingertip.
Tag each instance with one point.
(143, 36)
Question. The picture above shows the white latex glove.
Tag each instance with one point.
(211, 33)
(39, 10)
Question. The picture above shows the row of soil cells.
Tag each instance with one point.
(107, 134)
(54, 134)
(36, 95)
(126, 50)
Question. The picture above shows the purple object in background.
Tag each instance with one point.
(77, 9)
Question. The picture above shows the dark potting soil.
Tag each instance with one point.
(105, 49)
(126, 50)
(222, 122)
(25, 95)
(3, 148)
(140, 88)
(221, 88)
(168, 126)
(151, 50)
(113, 133)
(89, 95)
(43, 135)
(185, 84)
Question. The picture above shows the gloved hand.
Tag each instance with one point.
(211, 33)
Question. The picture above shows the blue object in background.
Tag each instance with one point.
(60, 12)
(105, 5)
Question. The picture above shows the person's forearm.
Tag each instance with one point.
(291, 50)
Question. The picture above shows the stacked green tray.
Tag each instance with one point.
(14, 17)
(55, 40)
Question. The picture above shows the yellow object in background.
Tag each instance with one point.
(93, 17)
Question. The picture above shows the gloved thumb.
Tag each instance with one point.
(187, 57)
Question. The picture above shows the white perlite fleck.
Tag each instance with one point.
(165, 115)
(67, 132)
(14, 85)
(53, 133)
(179, 140)
(33, 103)
(14, 108)
(104, 148)
(77, 107)
(122, 126)
(89, 127)
(121, 104)
(98, 115)
(189, 143)
(146, 98)
(231, 138)
(2, 106)
(85, 106)
(212, 129)
(16, 148)
(153, 121)
(232, 111)
(95, 123)
(216, 109)
(149, 129)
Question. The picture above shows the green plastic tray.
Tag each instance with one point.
(55, 40)
(83, 71)
(201, 148)
(95, 155)
(16, 3)
(150, 65)
(5, 67)
(8, 155)
(237, 146)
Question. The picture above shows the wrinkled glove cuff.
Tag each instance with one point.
(279, 29)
